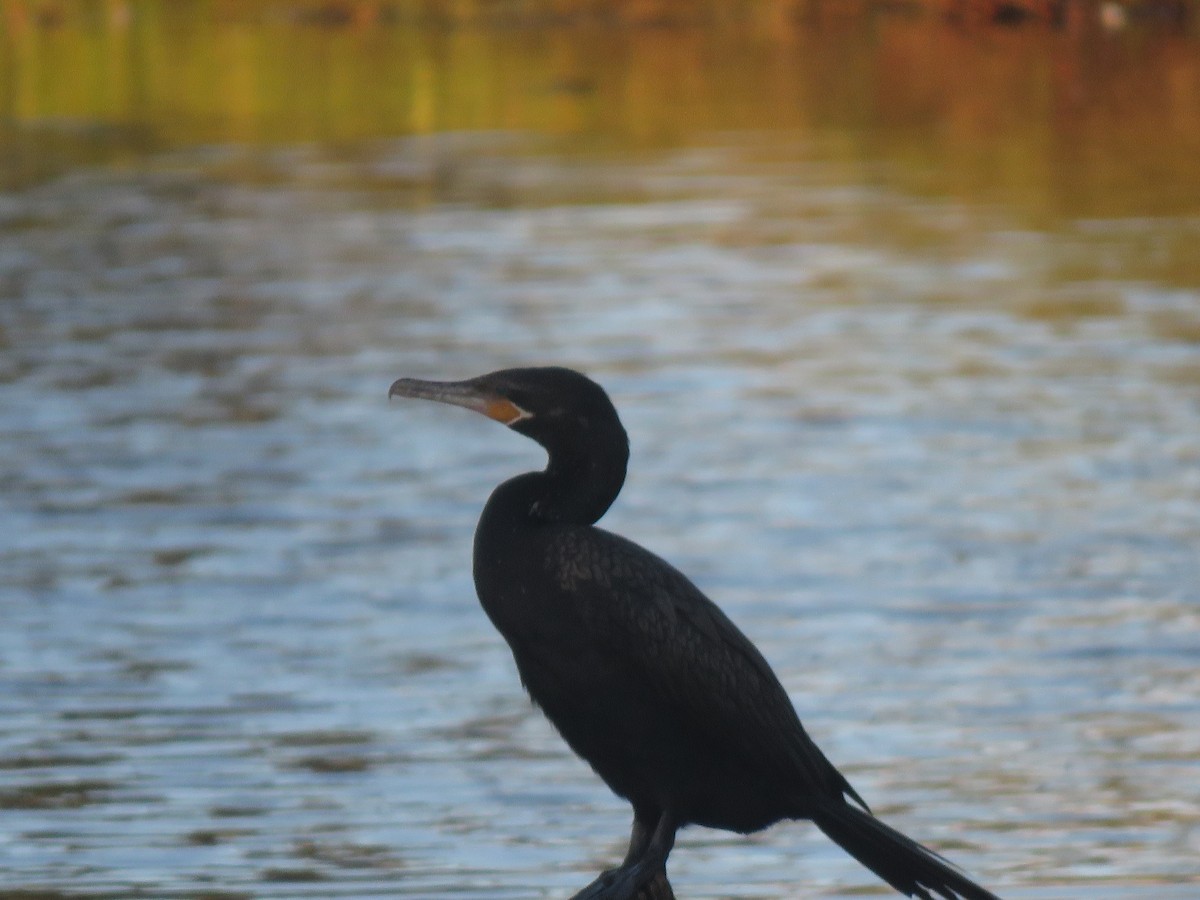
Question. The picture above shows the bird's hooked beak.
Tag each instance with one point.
(470, 394)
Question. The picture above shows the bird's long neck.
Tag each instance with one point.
(581, 481)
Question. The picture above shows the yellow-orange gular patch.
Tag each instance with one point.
(505, 411)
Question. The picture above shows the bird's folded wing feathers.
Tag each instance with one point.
(688, 652)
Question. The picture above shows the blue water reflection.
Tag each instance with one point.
(945, 477)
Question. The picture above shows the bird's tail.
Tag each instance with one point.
(913, 870)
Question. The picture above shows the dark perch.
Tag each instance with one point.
(643, 676)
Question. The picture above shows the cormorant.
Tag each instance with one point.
(644, 676)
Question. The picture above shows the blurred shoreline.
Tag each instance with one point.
(1054, 121)
(774, 16)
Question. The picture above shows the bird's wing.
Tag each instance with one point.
(688, 654)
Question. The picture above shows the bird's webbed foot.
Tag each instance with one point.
(643, 875)
(600, 887)
(629, 882)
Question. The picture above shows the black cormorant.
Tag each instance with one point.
(644, 677)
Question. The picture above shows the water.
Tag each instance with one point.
(940, 458)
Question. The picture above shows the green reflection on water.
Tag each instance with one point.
(1050, 123)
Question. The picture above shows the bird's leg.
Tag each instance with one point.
(640, 868)
(639, 839)
(639, 835)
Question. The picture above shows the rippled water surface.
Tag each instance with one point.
(941, 464)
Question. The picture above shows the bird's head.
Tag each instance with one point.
(566, 412)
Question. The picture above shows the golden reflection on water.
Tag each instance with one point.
(1052, 123)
